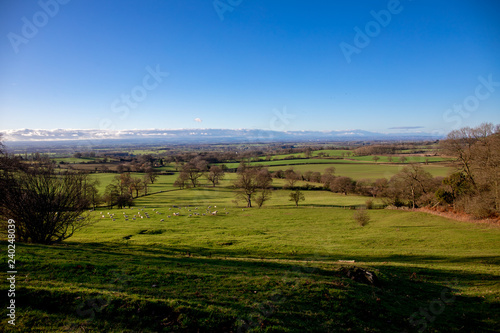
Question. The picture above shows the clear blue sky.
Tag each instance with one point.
(241, 67)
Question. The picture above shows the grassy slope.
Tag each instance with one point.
(271, 269)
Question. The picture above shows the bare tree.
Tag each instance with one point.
(92, 192)
(413, 182)
(137, 185)
(477, 156)
(297, 196)
(215, 174)
(47, 208)
(263, 196)
(181, 180)
(379, 188)
(342, 185)
(291, 178)
(250, 181)
(145, 184)
(195, 169)
(152, 175)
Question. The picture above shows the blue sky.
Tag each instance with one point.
(427, 66)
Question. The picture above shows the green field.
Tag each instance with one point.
(280, 268)
(275, 269)
(366, 171)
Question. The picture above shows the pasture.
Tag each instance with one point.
(197, 260)
(274, 269)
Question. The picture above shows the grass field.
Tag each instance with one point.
(366, 171)
(275, 269)
(280, 268)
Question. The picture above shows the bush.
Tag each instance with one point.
(369, 204)
(479, 206)
(361, 217)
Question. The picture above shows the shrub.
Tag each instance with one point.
(479, 206)
(369, 204)
(361, 217)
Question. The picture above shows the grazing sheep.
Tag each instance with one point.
(168, 216)
(162, 220)
(133, 218)
(214, 212)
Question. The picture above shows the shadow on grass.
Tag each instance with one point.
(118, 288)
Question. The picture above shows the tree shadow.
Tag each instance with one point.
(194, 292)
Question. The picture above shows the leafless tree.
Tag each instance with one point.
(215, 174)
(412, 182)
(195, 169)
(151, 174)
(344, 185)
(47, 208)
(181, 180)
(291, 177)
(297, 196)
(137, 185)
(250, 181)
(477, 156)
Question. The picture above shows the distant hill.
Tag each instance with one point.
(16, 137)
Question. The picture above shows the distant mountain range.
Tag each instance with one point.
(203, 135)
